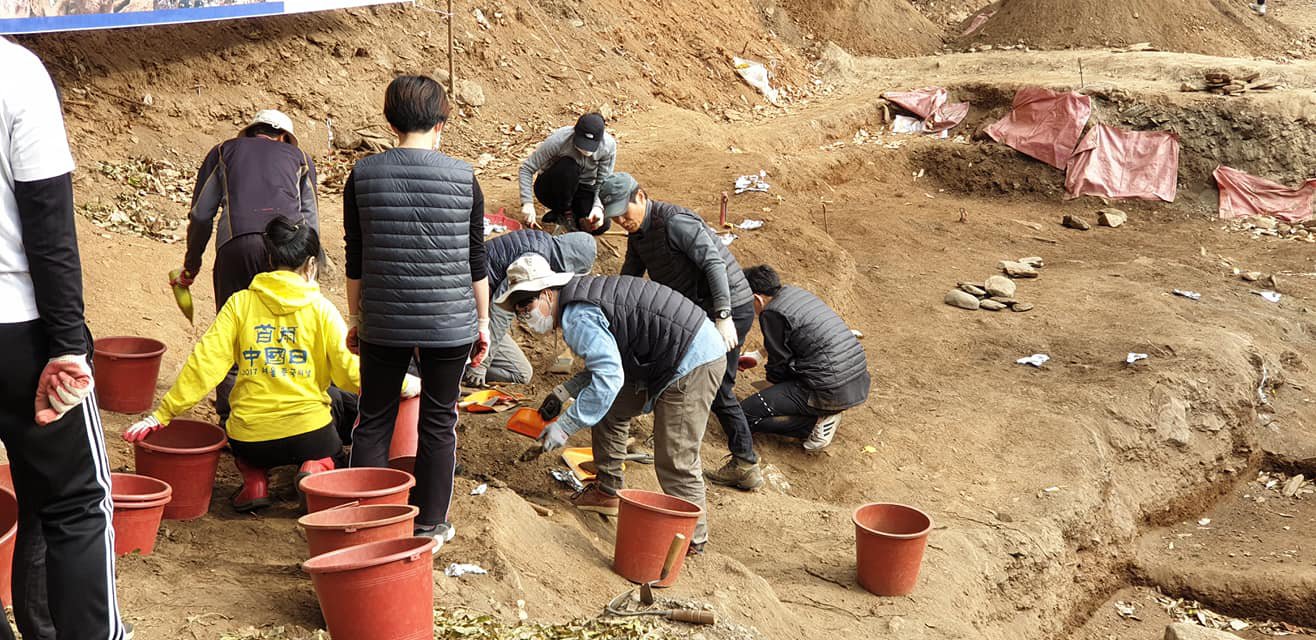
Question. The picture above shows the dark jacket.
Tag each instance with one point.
(654, 325)
(569, 252)
(414, 222)
(678, 249)
(808, 342)
(246, 182)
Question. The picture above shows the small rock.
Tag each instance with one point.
(895, 624)
(991, 305)
(975, 289)
(485, 159)
(1251, 276)
(1264, 222)
(1189, 631)
(1004, 517)
(1009, 302)
(1018, 269)
(1281, 227)
(1000, 286)
(1111, 217)
(1033, 261)
(962, 299)
(470, 93)
(1291, 487)
(1022, 307)
(1075, 222)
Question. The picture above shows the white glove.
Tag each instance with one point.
(144, 427)
(727, 327)
(554, 437)
(528, 212)
(64, 383)
(410, 386)
(595, 218)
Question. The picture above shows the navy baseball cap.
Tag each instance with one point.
(589, 132)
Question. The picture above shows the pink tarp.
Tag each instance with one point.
(1114, 163)
(1243, 195)
(1044, 124)
(933, 105)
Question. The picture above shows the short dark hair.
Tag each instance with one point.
(414, 104)
(289, 244)
(635, 194)
(262, 129)
(763, 280)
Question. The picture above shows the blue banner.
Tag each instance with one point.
(39, 16)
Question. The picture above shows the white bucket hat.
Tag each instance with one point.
(274, 118)
(531, 272)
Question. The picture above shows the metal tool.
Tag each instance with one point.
(646, 594)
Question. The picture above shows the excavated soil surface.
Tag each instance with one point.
(1041, 482)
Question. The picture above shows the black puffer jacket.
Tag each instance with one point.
(678, 249)
(807, 341)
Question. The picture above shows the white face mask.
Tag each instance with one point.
(587, 154)
(538, 322)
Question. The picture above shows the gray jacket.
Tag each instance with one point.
(561, 143)
(678, 249)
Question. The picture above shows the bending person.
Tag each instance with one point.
(816, 364)
(288, 343)
(567, 253)
(570, 164)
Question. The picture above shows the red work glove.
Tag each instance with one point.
(184, 279)
(353, 334)
(64, 384)
(481, 349)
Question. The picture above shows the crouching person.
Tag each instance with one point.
(289, 343)
(817, 366)
(645, 348)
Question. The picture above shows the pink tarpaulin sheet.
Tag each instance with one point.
(933, 105)
(1243, 195)
(1114, 163)
(1044, 124)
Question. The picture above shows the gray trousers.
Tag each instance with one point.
(508, 363)
(680, 416)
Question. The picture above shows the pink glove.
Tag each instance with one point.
(481, 349)
(64, 384)
(144, 427)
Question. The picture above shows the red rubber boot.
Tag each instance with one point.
(309, 467)
(255, 492)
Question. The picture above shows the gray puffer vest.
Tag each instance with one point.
(828, 358)
(654, 325)
(676, 270)
(415, 210)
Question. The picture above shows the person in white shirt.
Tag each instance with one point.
(64, 555)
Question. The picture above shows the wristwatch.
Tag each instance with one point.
(723, 314)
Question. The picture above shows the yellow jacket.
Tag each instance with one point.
(288, 342)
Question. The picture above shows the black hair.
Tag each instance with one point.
(635, 195)
(262, 129)
(415, 104)
(763, 280)
(290, 244)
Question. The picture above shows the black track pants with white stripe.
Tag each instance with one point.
(64, 557)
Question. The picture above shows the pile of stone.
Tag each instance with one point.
(1105, 217)
(997, 293)
(1224, 83)
(1267, 226)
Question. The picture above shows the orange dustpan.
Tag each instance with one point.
(581, 462)
(488, 401)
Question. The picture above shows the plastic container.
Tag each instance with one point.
(402, 448)
(646, 524)
(889, 544)
(139, 504)
(8, 530)
(185, 455)
(365, 485)
(353, 524)
(7, 478)
(127, 368)
(377, 591)
(527, 422)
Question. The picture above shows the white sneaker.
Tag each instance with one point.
(1260, 9)
(823, 432)
(441, 533)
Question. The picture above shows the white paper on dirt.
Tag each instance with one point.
(479, 491)
(1270, 296)
(457, 570)
(750, 225)
(756, 75)
(1035, 360)
(1191, 295)
(1135, 357)
(753, 182)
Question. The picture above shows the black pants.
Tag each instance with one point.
(382, 370)
(558, 188)
(782, 409)
(63, 580)
(293, 450)
(725, 405)
(236, 263)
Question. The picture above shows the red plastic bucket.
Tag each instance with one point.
(9, 527)
(377, 591)
(646, 524)
(366, 485)
(7, 479)
(139, 504)
(889, 543)
(185, 455)
(127, 368)
(402, 449)
(346, 526)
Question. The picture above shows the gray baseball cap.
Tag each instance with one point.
(615, 193)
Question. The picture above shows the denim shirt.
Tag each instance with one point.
(585, 329)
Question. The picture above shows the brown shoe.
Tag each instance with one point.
(737, 473)
(594, 499)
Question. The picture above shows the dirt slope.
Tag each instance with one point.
(889, 28)
(1215, 27)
